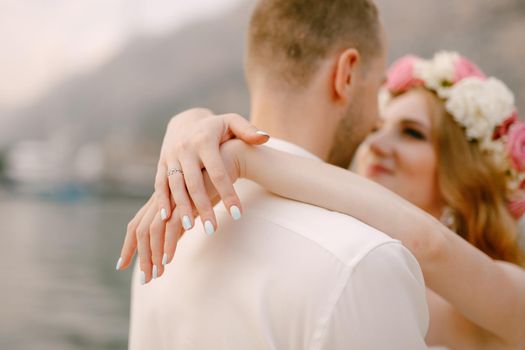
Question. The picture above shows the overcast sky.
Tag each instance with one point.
(41, 42)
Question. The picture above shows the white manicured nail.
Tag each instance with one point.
(186, 222)
(260, 132)
(119, 263)
(163, 214)
(164, 259)
(142, 278)
(208, 227)
(235, 212)
(155, 271)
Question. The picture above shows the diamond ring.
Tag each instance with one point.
(172, 171)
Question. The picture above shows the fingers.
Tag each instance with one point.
(218, 175)
(162, 191)
(177, 187)
(173, 232)
(143, 244)
(199, 196)
(130, 241)
(244, 130)
(156, 240)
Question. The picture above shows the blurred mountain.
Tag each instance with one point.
(152, 78)
(144, 85)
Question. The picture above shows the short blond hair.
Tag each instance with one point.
(289, 37)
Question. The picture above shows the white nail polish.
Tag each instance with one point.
(186, 222)
(119, 263)
(155, 271)
(235, 212)
(164, 259)
(260, 132)
(142, 278)
(208, 227)
(163, 214)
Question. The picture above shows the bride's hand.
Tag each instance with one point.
(191, 144)
(146, 233)
(156, 240)
(180, 124)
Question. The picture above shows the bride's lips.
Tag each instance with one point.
(378, 169)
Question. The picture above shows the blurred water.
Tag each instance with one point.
(58, 287)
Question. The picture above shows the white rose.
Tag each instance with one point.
(480, 105)
(496, 150)
(437, 73)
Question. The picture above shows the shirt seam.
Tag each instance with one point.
(320, 332)
(349, 264)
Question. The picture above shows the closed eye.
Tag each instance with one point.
(414, 133)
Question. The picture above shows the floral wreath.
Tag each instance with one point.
(483, 106)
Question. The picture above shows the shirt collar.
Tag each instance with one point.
(291, 148)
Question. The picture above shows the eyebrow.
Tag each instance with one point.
(412, 121)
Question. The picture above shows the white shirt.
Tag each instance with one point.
(286, 276)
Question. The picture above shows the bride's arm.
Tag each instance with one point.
(491, 294)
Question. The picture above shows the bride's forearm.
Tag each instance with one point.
(462, 274)
(340, 190)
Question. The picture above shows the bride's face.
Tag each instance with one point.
(399, 153)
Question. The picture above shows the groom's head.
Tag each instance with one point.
(331, 51)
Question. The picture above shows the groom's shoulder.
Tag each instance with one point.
(344, 236)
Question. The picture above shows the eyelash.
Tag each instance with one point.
(414, 133)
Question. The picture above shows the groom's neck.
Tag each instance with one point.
(302, 121)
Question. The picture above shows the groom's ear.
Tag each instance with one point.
(345, 74)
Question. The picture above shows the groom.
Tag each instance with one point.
(290, 275)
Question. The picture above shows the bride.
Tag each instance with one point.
(444, 173)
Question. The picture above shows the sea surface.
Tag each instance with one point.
(58, 288)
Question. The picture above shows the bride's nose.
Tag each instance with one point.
(380, 144)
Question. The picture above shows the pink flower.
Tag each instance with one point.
(516, 146)
(466, 69)
(517, 208)
(503, 129)
(400, 76)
